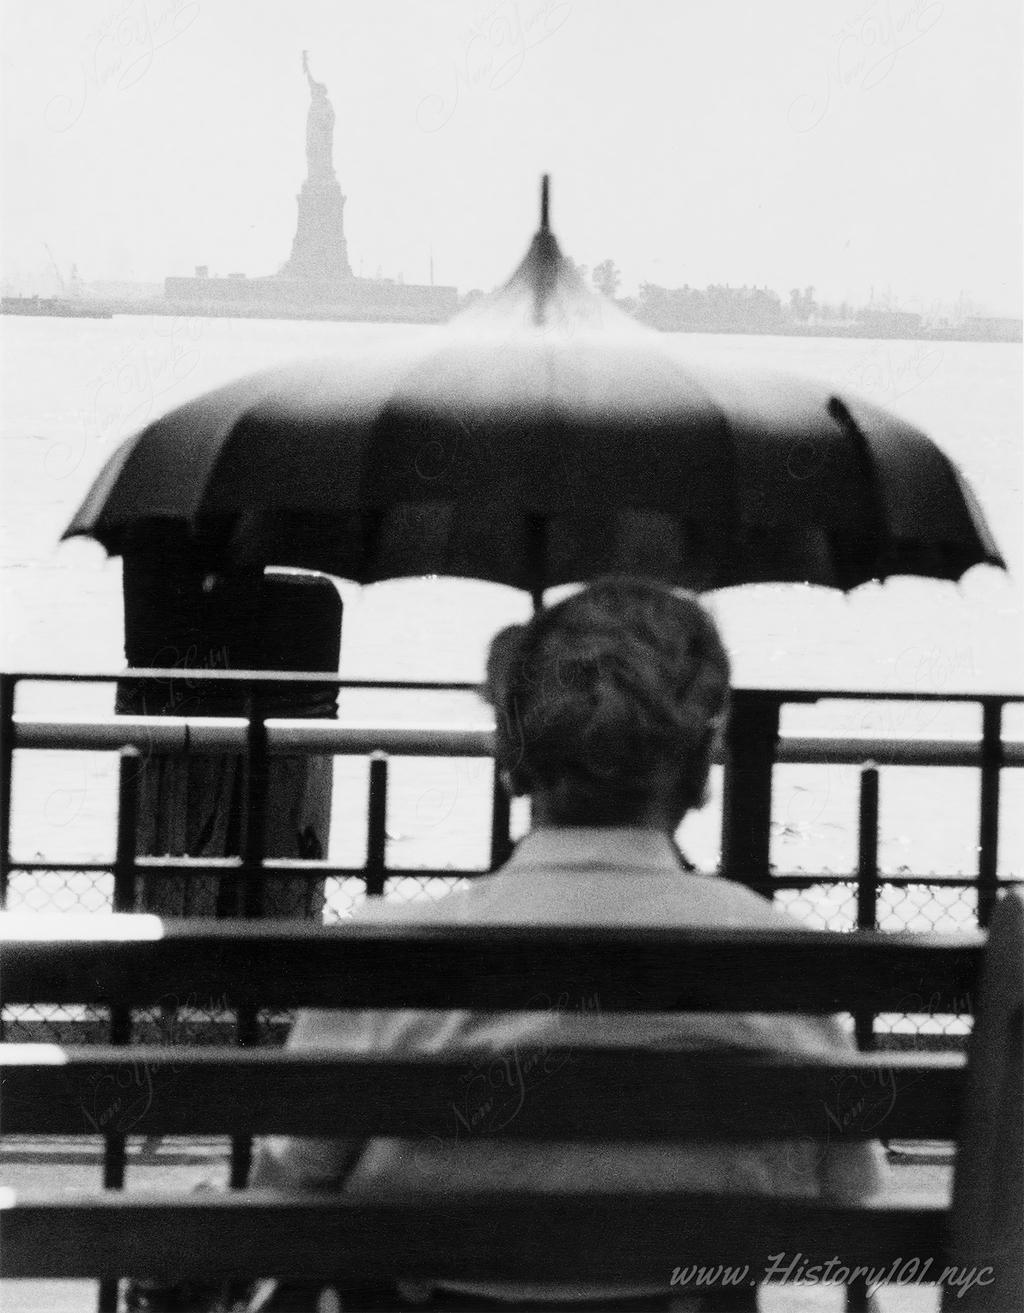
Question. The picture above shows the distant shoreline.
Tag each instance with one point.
(865, 331)
(88, 308)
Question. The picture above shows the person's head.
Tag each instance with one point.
(608, 704)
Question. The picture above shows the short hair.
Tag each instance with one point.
(595, 695)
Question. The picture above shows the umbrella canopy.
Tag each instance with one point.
(541, 438)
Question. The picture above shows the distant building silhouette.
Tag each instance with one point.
(724, 309)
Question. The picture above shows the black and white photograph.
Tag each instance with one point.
(512, 656)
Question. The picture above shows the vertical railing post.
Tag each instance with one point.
(247, 1035)
(376, 826)
(750, 744)
(255, 795)
(867, 919)
(867, 882)
(988, 824)
(248, 900)
(501, 809)
(8, 684)
(120, 1030)
(857, 1297)
(127, 829)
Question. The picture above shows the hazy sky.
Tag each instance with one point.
(869, 144)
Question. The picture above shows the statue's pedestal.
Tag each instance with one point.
(319, 249)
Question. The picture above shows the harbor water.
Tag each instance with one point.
(73, 388)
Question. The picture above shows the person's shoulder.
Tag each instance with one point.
(454, 905)
(721, 900)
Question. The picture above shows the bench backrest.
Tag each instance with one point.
(988, 1202)
(138, 960)
(633, 1095)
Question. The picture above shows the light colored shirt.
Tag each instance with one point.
(581, 877)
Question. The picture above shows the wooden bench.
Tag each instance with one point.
(632, 1095)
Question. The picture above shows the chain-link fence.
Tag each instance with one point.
(190, 1021)
(446, 808)
(939, 906)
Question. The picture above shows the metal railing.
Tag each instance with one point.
(752, 747)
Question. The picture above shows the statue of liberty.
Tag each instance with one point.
(319, 249)
(319, 127)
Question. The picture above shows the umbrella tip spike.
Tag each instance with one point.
(545, 188)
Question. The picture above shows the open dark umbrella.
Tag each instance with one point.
(542, 438)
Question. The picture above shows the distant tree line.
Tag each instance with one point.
(723, 308)
(720, 305)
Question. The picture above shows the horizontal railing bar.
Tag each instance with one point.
(213, 867)
(856, 751)
(137, 959)
(168, 734)
(190, 674)
(557, 1235)
(362, 740)
(527, 1093)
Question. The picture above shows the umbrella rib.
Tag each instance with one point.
(839, 412)
(735, 566)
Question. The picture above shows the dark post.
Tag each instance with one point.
(179, 615)
(127, 828)
(501, 843)
(8, 684)
(376, 826)
(299, 627)
(254, 806)
(867, 882)
(248, 900)
(115, 1145)
(750, 743)
(247, 1035)
(867, 850)
(867, 919)
(988, 828)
